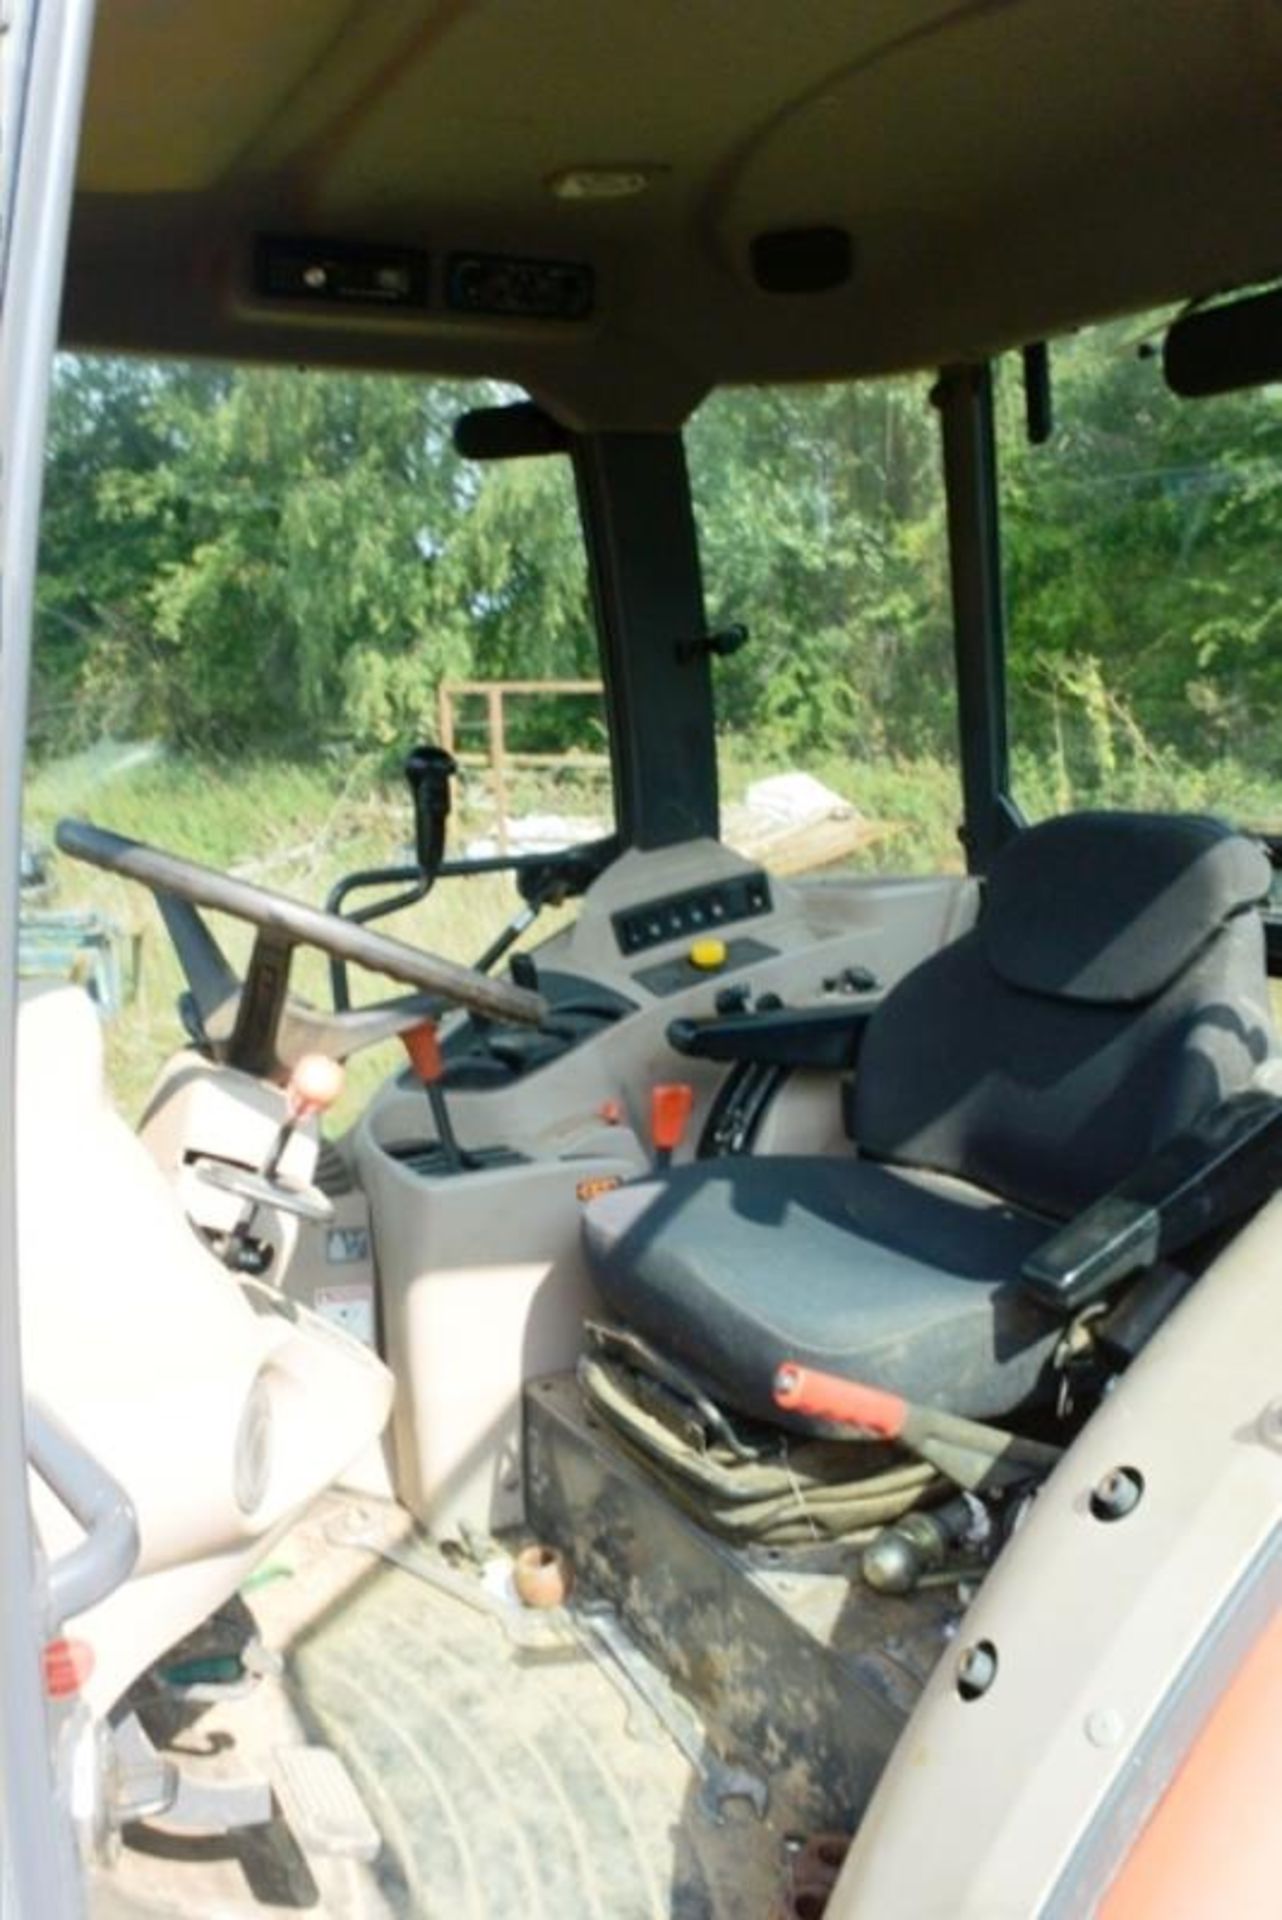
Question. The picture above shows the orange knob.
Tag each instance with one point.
(671, 1104)
(314, 1085)
(424, 1049)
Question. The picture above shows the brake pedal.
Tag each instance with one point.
(322, 1803)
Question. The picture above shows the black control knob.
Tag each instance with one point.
(852, 980)
(734, 999)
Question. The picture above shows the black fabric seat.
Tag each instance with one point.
(1113, 992)
(899, 1280)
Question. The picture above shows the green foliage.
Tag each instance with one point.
(1145, 605)
(265, 560)
(821, 524)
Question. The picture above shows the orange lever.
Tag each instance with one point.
(671, 1104)
(424, 1049)
(824, 1396)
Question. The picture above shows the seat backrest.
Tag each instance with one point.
(1113, 990)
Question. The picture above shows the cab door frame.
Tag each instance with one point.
(44, 54)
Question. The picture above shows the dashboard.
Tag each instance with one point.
(690, 931)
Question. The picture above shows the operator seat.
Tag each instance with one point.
(1113, 991)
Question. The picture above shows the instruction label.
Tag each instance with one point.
(350, 1307)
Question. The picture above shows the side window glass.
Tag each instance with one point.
(821, 526)
(1141, 569)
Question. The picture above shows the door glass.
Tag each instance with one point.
(821, 527)
(258, 589)
(1141, 548)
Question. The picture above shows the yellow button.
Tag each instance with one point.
(708, 954)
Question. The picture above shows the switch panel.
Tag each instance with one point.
(682, 916)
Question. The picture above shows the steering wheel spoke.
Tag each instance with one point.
(213, 980)
(252, 1047)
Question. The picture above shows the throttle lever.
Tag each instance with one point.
(313, 1087)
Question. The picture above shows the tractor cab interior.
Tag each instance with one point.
(754, 1259)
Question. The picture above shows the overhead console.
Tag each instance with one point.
(308, 268)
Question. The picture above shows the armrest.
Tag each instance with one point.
(826, 1038)
(1212, 1173)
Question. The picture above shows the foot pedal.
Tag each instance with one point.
(322, 1804)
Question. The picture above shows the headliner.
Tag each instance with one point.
(1005, 168)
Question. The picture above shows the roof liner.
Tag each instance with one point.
(1005, 169)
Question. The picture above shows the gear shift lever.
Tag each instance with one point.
(314, 1085)
(424, 1049)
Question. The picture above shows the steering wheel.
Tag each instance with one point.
(253, 1024)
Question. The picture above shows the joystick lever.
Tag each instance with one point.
(428, 770)
(424, 1049)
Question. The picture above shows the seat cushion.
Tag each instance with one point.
(902, 1280)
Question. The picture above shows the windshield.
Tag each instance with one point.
(1144, 616)
(258, 590)
(821, 527)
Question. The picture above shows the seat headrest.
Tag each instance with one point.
(1110, 907)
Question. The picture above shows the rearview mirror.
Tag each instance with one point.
(517, 432)
(1220, 349)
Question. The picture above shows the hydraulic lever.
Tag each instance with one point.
(671, 1104)
(970, 1453)
(428, 772)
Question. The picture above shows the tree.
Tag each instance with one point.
(267, 559)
